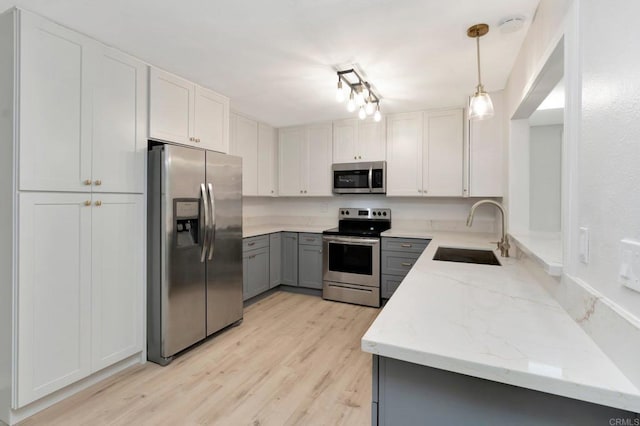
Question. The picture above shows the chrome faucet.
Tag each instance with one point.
(503, 244)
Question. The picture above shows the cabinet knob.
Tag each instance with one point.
(88, 182)
(87, 203)
(192, 139)
(355, 157)
(359, 157)
(272, 191)
(197, 140)
(305, 191)
(98, 182)
(301, 191)
(98, 203)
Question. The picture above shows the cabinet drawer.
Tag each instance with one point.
(408, 245)
(253, 243)
(388, 285)
(397, 263)
(308, 239)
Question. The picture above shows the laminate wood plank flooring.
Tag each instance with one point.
(295, 360)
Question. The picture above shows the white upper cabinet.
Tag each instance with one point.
(182, 112)
(404, 154)
(316, 172)
(82, 113)
(305, 155)
(245, 145)
(290, 149)
(486, 152)
(211, 120)
(356, 140)
(443, 153)
(267, 160)
(119, 123)
(171, 107)
(425, 155)
(55, 113)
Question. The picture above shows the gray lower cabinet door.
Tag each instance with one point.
(389, 284)
(275, 259)
(256, 272)
(289, 261)
(310, 266)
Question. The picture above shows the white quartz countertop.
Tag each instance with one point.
(495, 323)
(252, 231)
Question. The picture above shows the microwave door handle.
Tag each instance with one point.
(213, 221)
(370, 178)
(205, 240)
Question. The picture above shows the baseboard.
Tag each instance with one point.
(46, 402)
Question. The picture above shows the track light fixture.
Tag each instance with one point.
(361, 94)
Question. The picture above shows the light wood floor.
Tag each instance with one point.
(295, 359)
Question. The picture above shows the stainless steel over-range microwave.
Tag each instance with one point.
(360, 178)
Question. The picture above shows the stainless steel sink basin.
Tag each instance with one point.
(481, 257)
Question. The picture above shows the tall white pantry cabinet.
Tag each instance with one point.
(73, 117)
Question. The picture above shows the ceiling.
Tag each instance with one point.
(276, 59)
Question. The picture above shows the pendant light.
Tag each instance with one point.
(340, 92)
(480, 106)
(362, 94)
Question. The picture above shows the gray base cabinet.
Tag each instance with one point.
(255, 266)
(289, 272)
(310, 260)
(411, 394)
(397, 257)
(275, 259)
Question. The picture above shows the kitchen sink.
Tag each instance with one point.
(481, 257)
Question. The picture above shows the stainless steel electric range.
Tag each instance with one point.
(351, 256)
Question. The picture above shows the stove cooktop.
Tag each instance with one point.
(356, 222)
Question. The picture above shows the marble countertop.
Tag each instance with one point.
(495, 323)
(252, 231)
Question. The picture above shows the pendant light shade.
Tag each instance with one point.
(480, 106)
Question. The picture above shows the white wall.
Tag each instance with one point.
(6, 210)
(545, 165)
(447, 214)
(609, 150)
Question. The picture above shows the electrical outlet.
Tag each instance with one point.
(629, 273)
(584, 245)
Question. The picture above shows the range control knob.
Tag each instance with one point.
(384, 214)
(347, 212)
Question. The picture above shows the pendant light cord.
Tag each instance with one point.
(478, 51)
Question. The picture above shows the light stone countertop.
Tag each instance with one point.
(495, 323)
(253, 231)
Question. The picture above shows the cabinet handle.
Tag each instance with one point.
(87, 203)
(252, 256)
(98, 182)
(88, 182)
(406, 245)
(406, 264)
(197, 140)
(251, 244)
(98, 203)
(192, 139)
(310, 239)
(320, 251)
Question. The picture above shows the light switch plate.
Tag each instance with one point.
(629, 273)
(584, 245)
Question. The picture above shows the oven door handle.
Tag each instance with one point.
(371, 178)
(365, 241)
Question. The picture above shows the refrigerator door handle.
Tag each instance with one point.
(213, 221)
(205, 241)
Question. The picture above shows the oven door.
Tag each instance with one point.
(351, 260)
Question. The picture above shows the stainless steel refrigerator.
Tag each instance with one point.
(194, 234)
